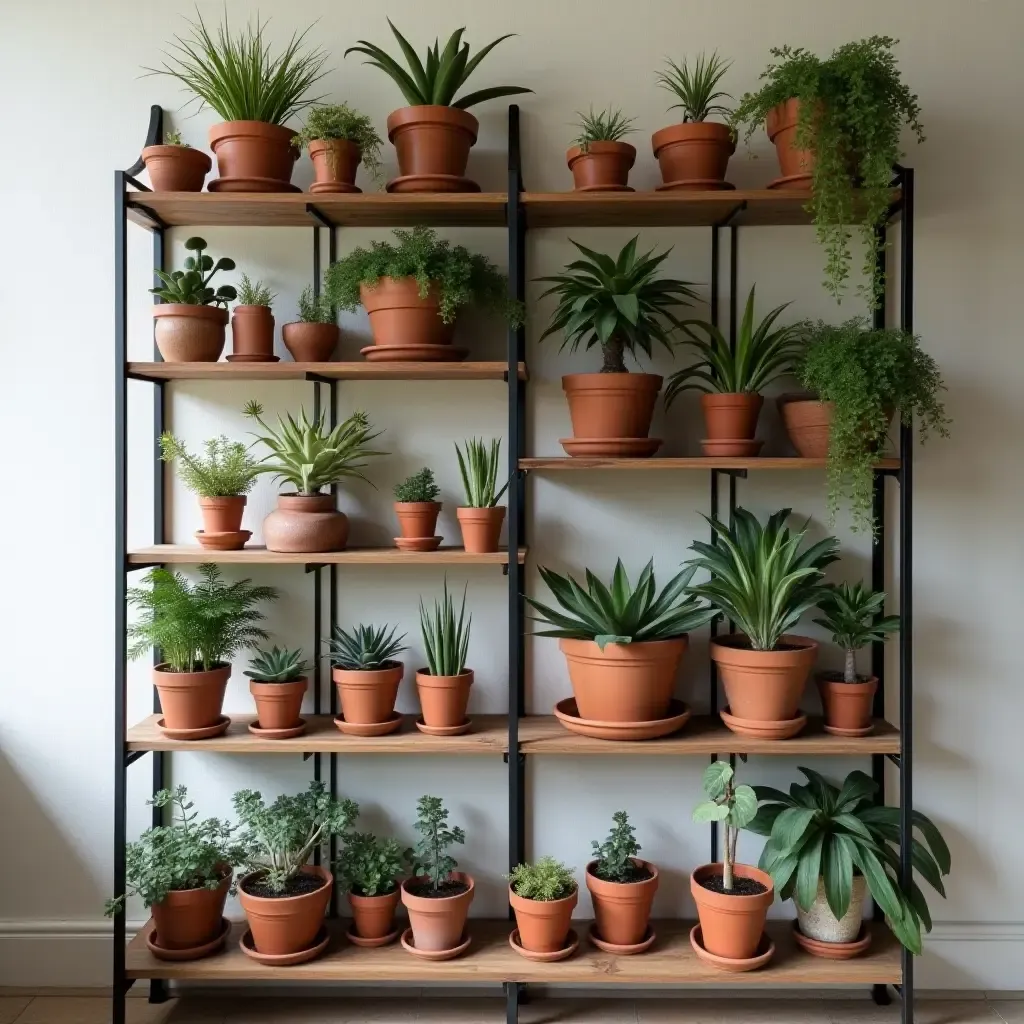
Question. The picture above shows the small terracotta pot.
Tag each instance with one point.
(189, 334)
(543, 924)
(624, 682)
(622, 909)
(693, 155)
(602, 167)
(367, 697)
(795, 165)
(176, 169)
(288, 924)
(222, 514)
(807, 422)
(611, 405)
(188, 918)
(438, 924)
(432, 140)
(305, 522)
(443, 699)
(311, 343)
(278, 705)
(481, 528)
(373, 917)
(335, 162)
(417, 519)
(191, 700)
(253, 154)
(252, 332)
(399, 315)
(731, 417)
(820, 923)
(731, 926)
(847, 706)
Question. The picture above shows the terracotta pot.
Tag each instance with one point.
(399, 315)
(622, 909)
(311, 343)
(807, 422)
(602, 167)
(288, 924)
(847, 706)
(624, 682)
(481, 528)
(438, 924)
(255, 154)
(417, 519)
(731, 417)
(373, 917)
(367, 697)
(443, 699)
(252, 332)
(176, 169)
(694, 154)
(432, 140)
(820, 923)
(188, 918)
(796, 165)
(731, 926)
(611, 405)
(335, 162)
(222, 514)
(305, 522)
(543, 924)
(278, 705)
(191, 700)
(189, 334)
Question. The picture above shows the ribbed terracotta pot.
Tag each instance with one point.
(847, 705)
(731, 417)
(305, 522)
(335, 162)
(373, 917)
(367, 696)
(189, 334)
(601, 167)
(417, 519)
(252, 332)
(438, 924)
(191, 700)
(622, 910)
(176, 169)
(432, 140)
(288, 924)
(543, 924)
(311, 343)
(796, 165)
(611, 405)
(443, 699)
(820, 923)
(189, 918)
(252, 156)
(399, 315)
(731, 926)
(693, 155)
(222, 514)
(278, 705)
(481, 528)
(807, 421)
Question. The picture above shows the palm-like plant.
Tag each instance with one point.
(445, 637)
(696, 88)
(365, 648)
(609, 125)
(619, 304)
(478, 466)
(854, 617)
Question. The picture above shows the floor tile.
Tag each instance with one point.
(578, 1011)
(1009, 1010)
(11, 1007)
(96, 1010)
(336, 1009)
(739, 1010)
(926, 1011)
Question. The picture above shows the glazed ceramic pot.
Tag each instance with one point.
(176, 168)
(286, 924)
(611, 405)
(432, 141)
(601, 167)
(443, 699)
(693, 155)
(252, 333)
(796, 165)
(191, 700)
(305, 522)
(847, 706)
(820, 923)
(417, 520)
(278, 705)
(373, 917)
(731, 925)
(543, 924)
(438, 923)
(367, 696)
(622, 910)
(400, 316)
(189, 334)
(310, 343)
(189, 918)
(481, 528)
(335, 162)
(252, 156)
(807, 421)
(222, 514)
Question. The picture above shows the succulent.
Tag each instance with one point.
(191, 286)
(278, 665)
(445, 638)
(479, 468)
(366, 648)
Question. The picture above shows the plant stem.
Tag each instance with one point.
(612, 351)
(850, 669)
(730, 853)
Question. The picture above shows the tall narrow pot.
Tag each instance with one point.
(438, 924)
(373, 917)
(543, 924)
(191, 700)
(305, 522)
(252, 156)
(189, 918)
(278, 705)
(611, 405)
(286, 924)
(731, 926)
(622, 910)
(189, 334)
(335, 163)
(252, 333)
(432, 142)
(176, 168)
(443, 699)
(694, 155)
(311, 343)
(481, 528)
(601, 167)
(401, 316)
(367, 696)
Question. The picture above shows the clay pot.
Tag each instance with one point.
(602, 167)
(417, 519)
(373, 917)
(278, 705)
(252, 156)
(443, 699)
(191, 700)
(622, 909)
(189, 334)
(335, 162)
(847, 706)
(176, 169)
(311, 343)
(731, 417)
(252, 333)
(693, 155)
(481, 528)
(222, 514)
(189, 918)
(438, 924)
(305, 522)
(796, 165)
(367, 697)
(288, 924)
(543, 924)
(807, 422)
(820, 923)
(400, 316)
(731, 926)
(432, 140)
(624, 682)
(611, 405)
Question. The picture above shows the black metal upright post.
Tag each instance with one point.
(332, 600)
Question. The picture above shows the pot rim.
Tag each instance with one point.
(480, 512)
(227, 874)
(439, 681)
(417, 506)
(331, 144)
(308, 869)
(387, 669)
(189, 309)
(395, 894)
(798, 396)
(652, 867)
(406, 117)
(643, 645)
(572, 898)
(800, 644)
(440, 901)
(626, 149)
(302, 681)
(715, 868)
(243, 498)
(165, 149)
(709, 129)
(218, 667)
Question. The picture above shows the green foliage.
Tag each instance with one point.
(340, 121)
(759, 576)
(462, 278)
(545, 880)
(369, 865)
(254, 293)
(696, 88)
(418, 487)
(174, 139)
(196, 626)
(429, 858)
(853, 108)
(854, 616)
(191, 285)
(315, 309)
(238, 75)
(619, 614)
(619, 304)
(279, 839)
(278, 665)
(227, 470)
(437, 80)
(609, 125)
(822, 831)
(478, 467)
(445, 638)
(868, 375)
(187, 854)
(365, 648)
(614, 855)
(732, 805)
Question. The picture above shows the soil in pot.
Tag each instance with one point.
(601, 167)
(189, 334)
(252, 333)
(732, 922)
(481, 528)
(417, 520)
(373, 917)
(286, 922)
(400, 317)
(335, 162)
(311, 343)
(432, 141)
(438, 917)
(796, 165)
(253, 156)
(807, 423)
(176, 168)
(611, 405)
(694, 155)
(305, 522)
(222, 514)
(187, 918)
(278, 705)
(622, 910)
(847, 706)
(444, 699)
(367, 697)
(191, 700)
(543, 925)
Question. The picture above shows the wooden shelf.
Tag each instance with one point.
(564, 462)
(670, 961)
(286, 370)
(192, 554)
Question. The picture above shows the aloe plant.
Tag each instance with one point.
(478, 466)
(278, 665)
(445, 637)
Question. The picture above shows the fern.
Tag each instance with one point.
(226, 471)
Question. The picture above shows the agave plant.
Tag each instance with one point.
(365, 648)
(696, 88)
(853, 615)
(609, 125)
(445, 638)
(278, 665)
(478, 466)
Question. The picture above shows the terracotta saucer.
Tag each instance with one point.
(611, 447)
(726, 449)
(206, 733)
(444, 730)
(435, 954)
(835, 730)
(278, 734)
(568, 714)
(251, 185)
(418, 543)
(432, 183)
(229, 540)
(245, 944)
(696, 185)
(832, 950)
(413, 353)
(243, 358)
(384, 940)
(764, 730)
(605, 188)
(393, 724)
(610, 947)
(195, 953)
(572, 944)
(333, 186)
(791, 183)
(765, 951)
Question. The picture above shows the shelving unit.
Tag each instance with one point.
(517, 737)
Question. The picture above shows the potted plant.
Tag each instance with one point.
(622, 306)
(413, 290)
(367, 673)
(175, 166)
(443, 684)
(434, 133)
(763, 581)
(277, 684)
(732, 899)
(732, 377)
(417, 509)
(339, 139)
(221, 479)
(314, 336)
(369, 868)
(695, 153)
(436, 896)
(598, 158)
(197, 627)
(191, 317)
(255, 91)
(855, 618)
(252, 324)
(284, 896)
(836, 127)
(827, 845)
(543, 896)
(310, 456)
(183, 873)
(481, 517)
(622, 887)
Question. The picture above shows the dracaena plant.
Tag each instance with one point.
(544, 880)
(278, 665)
(445, 637)
(830, 833)
(732, 805)
(226, 470)
(365, 648)
(191, 286)
(853, 615)
(614, 857)
(340, 121)
(478, 466)
(609, 125)
(370, 865)
(696, 87)
(418, 487)
(429, 858)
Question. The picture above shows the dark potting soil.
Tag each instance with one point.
(444, 891)
(297, 886)
(837, 677)
(740, 886)
(633, 874)
(743, 644)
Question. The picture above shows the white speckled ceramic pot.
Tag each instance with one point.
(821, 924)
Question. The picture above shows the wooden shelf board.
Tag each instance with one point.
(560, 462)
(670, 961)
(286, 370)
(192, 554)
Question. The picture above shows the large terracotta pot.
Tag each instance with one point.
(176, 168)
(189, 334)
(481, 528)
(287, 924)
(311, 343)
(305, 522)
(438, 924)
(432, 141)
(367, 696)
(611, 405)
(400, 316)
(543, 924)
(417, 520)
(796, 165)
(443, 699)
(373, 917)
(731, 925)
(820, 923)
(191, 700)
(847, 706)
(335, 162)
(622, 910)
(252, 334)
(278, 705)
(252, 156)
(807, 422)
(222, 514)
(189, 918)
(693, 155)
(601, 167)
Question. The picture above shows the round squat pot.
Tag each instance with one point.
(432, 141)
(622, 910)
(731, 417)
(601, 167)
(189, 918)
(443, 699)
(335, 162)
(401, 317)
(252, 333)
(311, 343)
(417, 520)
(176, 169)
(543, 924)
(820, 923)
(189, 334)
(222, 514)
(286, 924)
(847, 706)
(611, 405)
(693, 155)
(367, 696)
(731, 923)
(191, 700)
(807, 422)
(278, 705)
(481, 528)
(252, 156)
(796, 165)
(305, 522)
(438, 921)
(373, 917)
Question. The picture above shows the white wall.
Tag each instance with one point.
(75, 109)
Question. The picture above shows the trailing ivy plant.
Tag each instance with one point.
(429, 858)
(370, 865)
(226, 470)
(614, 857)
(544, 880)
(340, 121)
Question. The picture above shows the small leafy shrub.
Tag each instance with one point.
(853, 615)
(254, 293)
(175, 139)
(191, 286)
(545, 880)
(418, 487)
(733, 805)
(365, 648)
(340, 121)
(429, 858)
(478, 466)
(315, 309)
(696, 88)
(370, 865)
(446, 638)
(278, 665)
(227, 469)
(609, 125)
(614, 855)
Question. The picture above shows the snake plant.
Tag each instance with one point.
(445, 638)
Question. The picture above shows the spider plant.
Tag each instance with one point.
(696, 88)
(478, 466)
(609, 125)
(853, 615)
(445, 638)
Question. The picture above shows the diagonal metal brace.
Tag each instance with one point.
(131, 756)
(732, 215)
(319, 217)
(318, 378)
(315, 566)
(895, 758)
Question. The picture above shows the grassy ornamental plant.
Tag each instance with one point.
(609, 125)
(545, 880)
(429, 859)
(696, 87)
(734, 806)
(365, 648)
(254, 293)
(445, 637)
(315, 309)
(278, 665)
(191, 286)
(853, 615)
(614, 857)
(370, 865)
(340, 121)
(418, 487)
(226, 470)
(478, 467)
